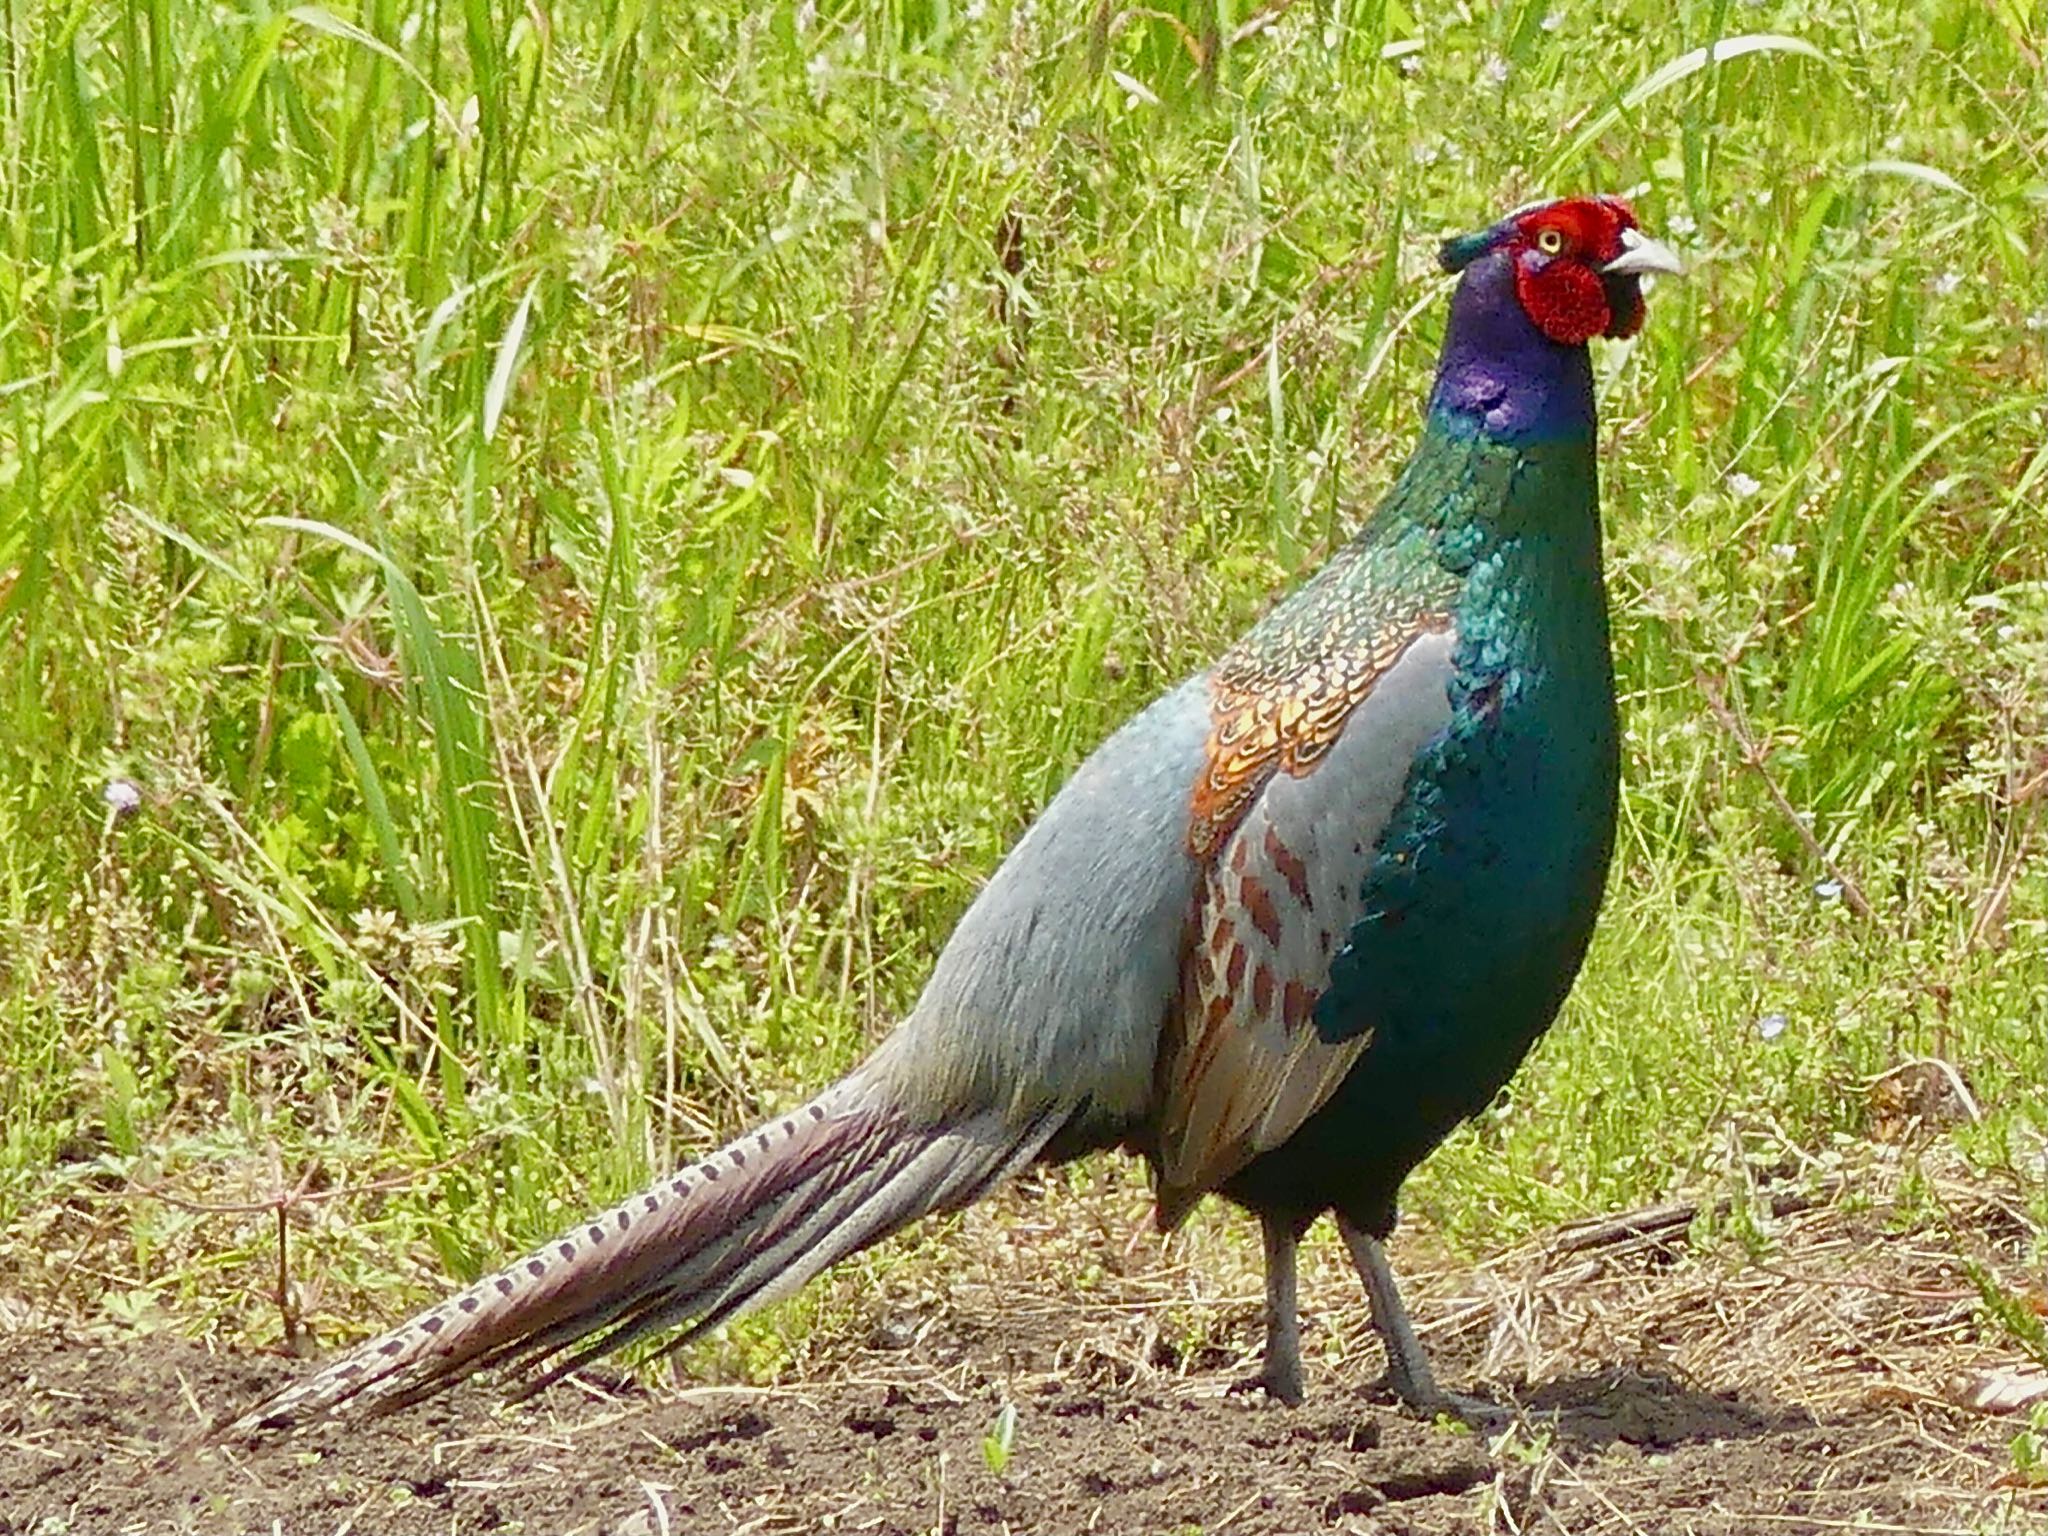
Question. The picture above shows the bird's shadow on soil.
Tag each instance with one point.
(1644, 1407)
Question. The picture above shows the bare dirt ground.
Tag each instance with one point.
(1657, 1389)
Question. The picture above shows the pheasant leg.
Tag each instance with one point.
(1281, 1374)
(1408, 1371)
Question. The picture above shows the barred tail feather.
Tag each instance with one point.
(748, 1225)
(935, 1170)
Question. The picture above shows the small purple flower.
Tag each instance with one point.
(122, 796)
(1771, 1025)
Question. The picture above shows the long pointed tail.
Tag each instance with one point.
(748, 1225)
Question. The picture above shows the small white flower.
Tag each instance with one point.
(1742, 486)
(121, 796)
(1682, 225)
(1553, 21)
(1497, 70)
(1948, 283)
(1410, 64)
(1787, 552)
(1771, 1025)
(1828, 890)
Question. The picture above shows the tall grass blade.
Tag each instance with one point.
(505, 364)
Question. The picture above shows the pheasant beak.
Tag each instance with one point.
(1639, 253)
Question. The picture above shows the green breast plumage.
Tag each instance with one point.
(1486, 880)
(1491, 872)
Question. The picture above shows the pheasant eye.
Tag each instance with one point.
(1550, 241)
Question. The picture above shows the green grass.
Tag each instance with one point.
(593, 527)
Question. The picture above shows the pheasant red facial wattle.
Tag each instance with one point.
(1559, 251)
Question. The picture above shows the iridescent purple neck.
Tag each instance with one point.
(1500, 375)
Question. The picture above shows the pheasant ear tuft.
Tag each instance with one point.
(1456, 254)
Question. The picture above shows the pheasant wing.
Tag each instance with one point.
(1308, 756)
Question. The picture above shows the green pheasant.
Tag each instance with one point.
(1278, 935)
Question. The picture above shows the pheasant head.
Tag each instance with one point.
(1534, 288)
(1577, 265)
